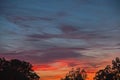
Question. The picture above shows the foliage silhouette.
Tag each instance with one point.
(16, 70)
(109, 72)
(77, 74)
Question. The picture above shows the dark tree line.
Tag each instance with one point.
(77, 74)
(110, 72)
(16, 70)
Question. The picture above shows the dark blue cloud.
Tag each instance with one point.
(45, 24)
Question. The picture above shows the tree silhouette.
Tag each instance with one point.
(110, 72)
(77, 74)
(16, 70)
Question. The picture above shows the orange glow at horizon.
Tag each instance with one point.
(54, 73)
(58, 70)
(50, 75)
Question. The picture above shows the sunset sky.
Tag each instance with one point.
(56, 35)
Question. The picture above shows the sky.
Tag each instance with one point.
(56, 35)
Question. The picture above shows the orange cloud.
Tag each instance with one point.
(44, 68)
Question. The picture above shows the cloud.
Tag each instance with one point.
(68, 28)
(27, 18)
(41, 36)
(69, 34)
(54, 55)
(44, 68)
(48, 55)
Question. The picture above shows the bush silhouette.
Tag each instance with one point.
(75, 75)
(16, 70)
(110, 72)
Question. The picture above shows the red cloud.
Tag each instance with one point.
(44, 68)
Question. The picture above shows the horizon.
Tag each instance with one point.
(39, 69)
(56, 35)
